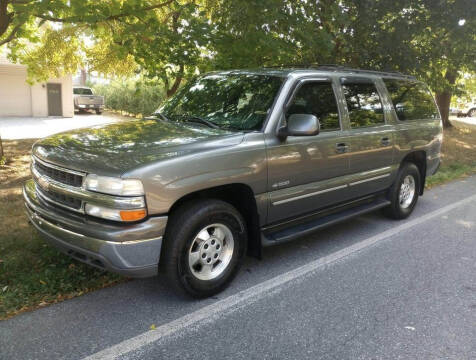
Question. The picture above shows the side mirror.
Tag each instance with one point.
(300, 125)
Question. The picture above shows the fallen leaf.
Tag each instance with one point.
(410, 328)
(42, 282)
(152, 327)
(5, 288)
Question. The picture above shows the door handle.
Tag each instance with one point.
(385, 141)
(341, 148)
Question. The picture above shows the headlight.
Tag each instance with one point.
(115, 214)
(114, 186)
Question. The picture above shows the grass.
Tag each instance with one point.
(34, 274)
(458, 156)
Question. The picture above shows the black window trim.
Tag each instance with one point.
(363, 80)
(298, 84)
(393, 106)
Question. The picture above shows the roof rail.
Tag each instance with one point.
(337, 67)
(357, 70)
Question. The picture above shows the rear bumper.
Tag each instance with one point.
(131, 250)
(89, 106)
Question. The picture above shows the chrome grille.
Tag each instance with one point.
(46, 174)
(60, 199)
(56, 173)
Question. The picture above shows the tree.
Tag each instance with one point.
(433, 40)
(19, 18)
(169, 43)
(166, 39)
(257, 33)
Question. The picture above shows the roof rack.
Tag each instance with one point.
(336, 67)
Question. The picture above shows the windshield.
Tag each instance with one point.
(231, 101)
(82, 91)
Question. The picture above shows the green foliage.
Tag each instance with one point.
(57, 54)
(137, 97)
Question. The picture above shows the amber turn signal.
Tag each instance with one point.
(133, 215)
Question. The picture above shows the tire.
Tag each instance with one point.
(472, 113)
(404, 192)
(198, 233)
(99, 112)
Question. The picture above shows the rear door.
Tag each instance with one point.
(371, 136)
(306, 173)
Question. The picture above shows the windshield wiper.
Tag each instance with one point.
(160, 115)
(196, 119)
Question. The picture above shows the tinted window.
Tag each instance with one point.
(234, 101)
(317, 98)
(363, 104)
(82, 91)
(411, 100)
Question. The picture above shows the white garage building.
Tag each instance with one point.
(17, 98)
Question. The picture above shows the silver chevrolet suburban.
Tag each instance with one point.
(235, 161)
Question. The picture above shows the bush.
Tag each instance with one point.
(137, 97)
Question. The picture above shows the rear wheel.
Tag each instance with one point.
(98, 111)
(404, 192)
(204, 247)
(472, 113)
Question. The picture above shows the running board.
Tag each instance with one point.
(270, 238)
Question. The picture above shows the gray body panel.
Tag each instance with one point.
(289, 177)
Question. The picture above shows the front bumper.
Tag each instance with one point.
(131, 250)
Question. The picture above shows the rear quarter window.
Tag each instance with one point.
(411, 100)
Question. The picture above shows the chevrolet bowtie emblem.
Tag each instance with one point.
(43, 183)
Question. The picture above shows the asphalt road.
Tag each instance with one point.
(370, 288)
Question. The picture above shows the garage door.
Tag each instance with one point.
(15, 95)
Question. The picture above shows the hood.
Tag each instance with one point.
(116, 148)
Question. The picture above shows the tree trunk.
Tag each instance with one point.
(1, 149)
(176, 85)
(443, 98)
(5, 17)
(83, 77)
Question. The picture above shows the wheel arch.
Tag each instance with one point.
(419, 159)
(242, 197)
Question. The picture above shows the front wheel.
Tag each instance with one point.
(98, 112)
(404, 192)
(204, 247)
(472, 113)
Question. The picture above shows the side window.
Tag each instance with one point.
(411, 100)
(317, 98)
(363, 103)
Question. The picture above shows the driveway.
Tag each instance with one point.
(13, 128)
(370, 288)
(464, 122)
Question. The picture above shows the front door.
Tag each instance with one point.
(371, 137)
(306, 173)
(55, 107)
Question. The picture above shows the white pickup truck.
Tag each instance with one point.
(84, 99)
